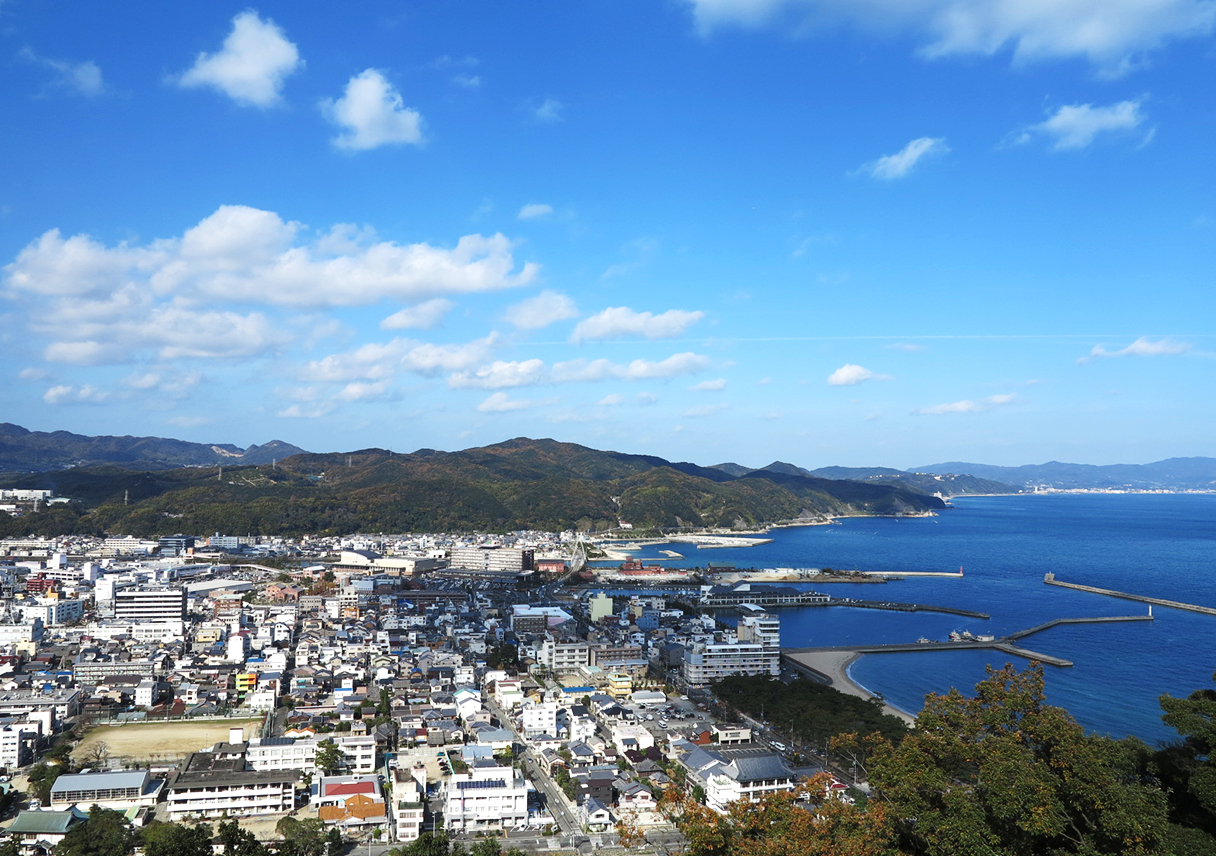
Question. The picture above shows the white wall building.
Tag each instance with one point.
(486, 797)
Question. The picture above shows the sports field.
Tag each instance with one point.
(155, 742)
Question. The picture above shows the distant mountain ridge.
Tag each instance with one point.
(1170, 474)
(22, 450)
(932, 484)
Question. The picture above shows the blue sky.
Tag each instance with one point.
(876, 232)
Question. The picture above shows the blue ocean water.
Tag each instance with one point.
(1149, 544)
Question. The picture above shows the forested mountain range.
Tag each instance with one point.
(518, 484)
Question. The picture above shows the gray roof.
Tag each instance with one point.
(757, 768)
(99, 782)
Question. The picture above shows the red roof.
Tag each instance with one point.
(346, 788)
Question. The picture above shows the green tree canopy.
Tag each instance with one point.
(1005, 773)
(175, 839)
(105, 833)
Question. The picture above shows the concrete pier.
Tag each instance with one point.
(1006, 644)
(1051, 580)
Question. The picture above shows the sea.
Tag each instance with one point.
(1158, 545)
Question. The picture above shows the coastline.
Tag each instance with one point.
(834, 667)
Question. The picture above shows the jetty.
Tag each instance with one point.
(1006, 644)
(1051, 580)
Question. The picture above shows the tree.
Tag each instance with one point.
(105, 833)
(1005, 773)
(97, 754)
(329, 757)
(238, 841)
(1194, 762)
(41, 777)
(174, 839)
(302, 837)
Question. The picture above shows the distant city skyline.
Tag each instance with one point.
(879, 234)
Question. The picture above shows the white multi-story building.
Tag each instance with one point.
(564, 656)
(359, 752)
(17, 744)
(537, 718)
(150, 604)
(492, 558)
(408, 808)
(486, 797)
(214, 785)
(51, 611)
(754, 650)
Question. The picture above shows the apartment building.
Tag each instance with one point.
(486, 797)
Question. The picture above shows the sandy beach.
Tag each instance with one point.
(834, 665)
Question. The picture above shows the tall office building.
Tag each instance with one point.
(150, 604)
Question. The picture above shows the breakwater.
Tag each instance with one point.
(1006, 644)
(1051, 580)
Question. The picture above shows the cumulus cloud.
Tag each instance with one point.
(377, 361)
(850, 375)
(1111, 34)
(969, 406)
(709, 385)
(248, 255)
(621, 321)
(611, 400)
(1142, 347)
(898, 165)
(1076, 126)
(252, 64)
(534, 211)
(372, 114)
(423, 316)
(544, 309)
(502, 374)
(77, 78)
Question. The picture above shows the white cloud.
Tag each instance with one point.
(611, 400)
(70, 394)
(709, 385)
(1111, 34)
(79, 78)
(539, 311)
(248, 255)
(372, 114)
(534, 372)
(647, 398)
(1142, 347)
(382, 360)
(501, 374)
(849, 375)
(251, 66)
(468, 81)
(34, 375)
(360, 390)
(423, 316)
(534, 211)
(898, 165)
(969, 406)
(1076, 126)
(621, 321)
(299, 411)
(500, 402)
(549, 111)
